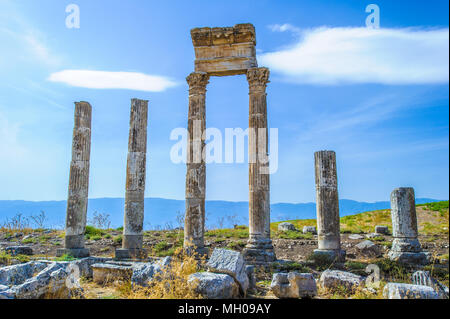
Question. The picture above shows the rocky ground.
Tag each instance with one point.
(293, 247)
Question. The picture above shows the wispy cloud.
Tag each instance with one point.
(284, 27)
(113, 80)
(360, 55)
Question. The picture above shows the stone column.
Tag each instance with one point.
(135, 183)
(78, 183)
(327, 206)
(405, 246)
(259, 246)
(194, 226)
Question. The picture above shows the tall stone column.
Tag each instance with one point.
(135, 183)
(259, 246)
(405, 246)
(327, 205)
(196, 169)
(78, 183)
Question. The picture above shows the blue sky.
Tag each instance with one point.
(380, 100)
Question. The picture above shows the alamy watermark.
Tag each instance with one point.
(211, 146)
(373, 19)
(73, 17)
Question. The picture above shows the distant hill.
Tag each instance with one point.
(161, 213)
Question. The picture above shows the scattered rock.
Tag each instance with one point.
(355, 237)
(407, 291)
(19, 250)
(293, 285)
(285, 226)
(250, 271)
(17, 274)
(332, 279)
(384, 230)
(310, 229)
(214, 286)
(229, 262)
(144, 272)
(368, 248)
(372, 235)
(424, 278)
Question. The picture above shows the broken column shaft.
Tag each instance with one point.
(78, 183)
(327, 206)
(196, 170)
(135, 183)
(405, 246)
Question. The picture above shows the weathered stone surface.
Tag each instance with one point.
(79, 178)
(19, 250)
(104, 273)
(293, 285)
(214, 286)
(18, 274)
(424, 278)
(368, 248)
(286, 226)
(259, 246)
(135, 182)
(332, 279)
(224, 51)
(407, 291)
(144, 272)
(194, 220)
(327, 201)
(229, 262)
(384, 230)
(309, 229)
(405, 246)
(355, 237)
(250, 271)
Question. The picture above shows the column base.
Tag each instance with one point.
(409, 245)
(74, 252)
(331, 255)
(410, 258)
(130, 253)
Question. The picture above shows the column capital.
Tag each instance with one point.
(257, 79)
(197, 82)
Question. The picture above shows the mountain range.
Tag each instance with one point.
(163, 213)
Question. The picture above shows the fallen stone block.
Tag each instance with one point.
(293, 285)
(407, 291)
(214, 286)
(19, 250)
(17, 274)
(309, 229)
(103, 273)
(230, 262)
(335, 279)
(285, 226)
(355, 237)
(383, 230)
(424, 278)
(368, 248)
(144, 272)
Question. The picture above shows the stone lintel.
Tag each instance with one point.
(224, 51)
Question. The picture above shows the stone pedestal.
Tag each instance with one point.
(78, 183)
(135, 183)
(327, 205)
(405, 246)
(196, 169)
(259, 246)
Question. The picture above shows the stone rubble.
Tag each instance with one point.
(293, 285)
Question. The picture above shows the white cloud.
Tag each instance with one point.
(112, 80)
(361, 55)
(284, 27)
